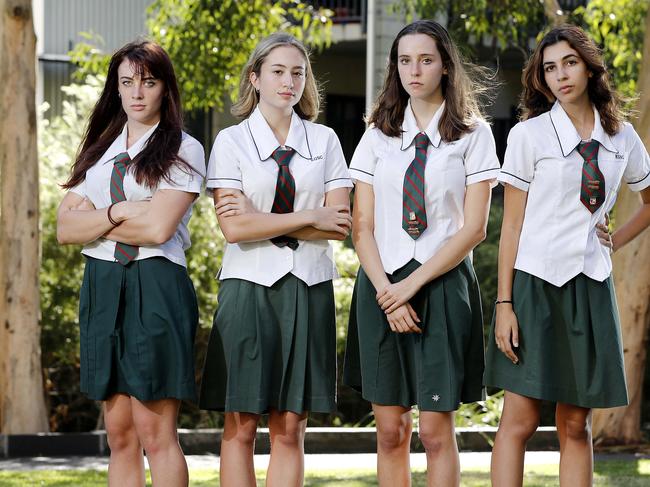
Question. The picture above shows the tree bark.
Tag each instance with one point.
(22, 403)
(632, 281)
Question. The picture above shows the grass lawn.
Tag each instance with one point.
(634, 473)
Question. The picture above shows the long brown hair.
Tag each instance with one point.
(459, 91)
(308, 106)
(537, 98)
(108, 118)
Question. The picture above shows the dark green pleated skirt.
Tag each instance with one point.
(272, 348)
(569, 344)
(137, 326)
(435, 370)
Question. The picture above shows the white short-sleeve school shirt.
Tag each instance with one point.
(558, 239)
(382, 161)
(241, 159)
(96, 187)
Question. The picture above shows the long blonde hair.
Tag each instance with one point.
(309, 104)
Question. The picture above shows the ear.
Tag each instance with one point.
(255, 81)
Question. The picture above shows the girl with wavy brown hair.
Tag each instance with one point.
(556, 334)
(130, 198)
(424, 172)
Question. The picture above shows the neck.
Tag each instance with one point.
(135, 130)
(278, 120)
(424, 110)
(581, 115)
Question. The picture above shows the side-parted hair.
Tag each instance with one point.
(308, 106)
(537, 98)
(108, 118)
(460, 92)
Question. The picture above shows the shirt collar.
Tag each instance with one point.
(410, 127)
(119, 145)
(568, 136)
(266, 142)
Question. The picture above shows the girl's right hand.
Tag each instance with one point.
(506, 331)
(125, 210)
(335, 218)
(404, 319)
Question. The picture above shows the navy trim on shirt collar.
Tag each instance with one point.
(308, 157)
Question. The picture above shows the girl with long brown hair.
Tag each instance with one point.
(131, 191)
(424, 172)
(556, 334)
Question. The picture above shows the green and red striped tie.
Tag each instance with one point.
(592, 190)
(124, 253)
(285, 192)
(414, 214)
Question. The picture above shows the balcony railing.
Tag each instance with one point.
(345, 11)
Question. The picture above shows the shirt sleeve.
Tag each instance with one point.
(183, 178)
(519, 162)
(364, 159)
(637, 171)
(481, 161)
(223, 166)
(336, 170)
(80, 189)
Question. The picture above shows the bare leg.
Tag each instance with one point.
(237, 450)
(287, 463)
(439, 440)
(393, 445)
(155, 422)
(126, 464)
(519, 421)
(576, 449)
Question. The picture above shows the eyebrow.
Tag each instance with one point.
(565, 57)
(146, 78)
(283, 66)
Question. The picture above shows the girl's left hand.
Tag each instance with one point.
(395, 295)
(602, 232)
(234, 203)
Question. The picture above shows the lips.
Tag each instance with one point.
(565, 89)
(138, 107)
(287, 94)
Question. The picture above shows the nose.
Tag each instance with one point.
(415, 69)
(561, 73)
(287, 80)
(137, 91)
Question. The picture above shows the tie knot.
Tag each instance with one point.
(122, 157)
(588, 150)
(421, 141)
(283, 156)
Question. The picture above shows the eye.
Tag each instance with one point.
(404, 60)
(298, 74)
(127, 82)
(277, 72)
(572, 62)
(548, 69)
(427, 60)
(150, 83)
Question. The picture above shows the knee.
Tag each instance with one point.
(578, 429)
(435, 441)
(393, 435)
(243, 433)
(155, 438)
(290, 434)
(122, 438)
(521, 428)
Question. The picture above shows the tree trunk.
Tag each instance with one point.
(632, 280)
(551, 8)
(22, 403)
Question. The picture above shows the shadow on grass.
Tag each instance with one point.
(611, 473)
